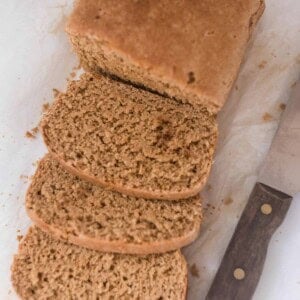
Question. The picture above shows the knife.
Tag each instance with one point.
(270, 199)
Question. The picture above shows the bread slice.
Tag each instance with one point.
(190, 50)
(131, 140)
(90, 216)
(45, 268)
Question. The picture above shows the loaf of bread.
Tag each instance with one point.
(190, 50)
(45, 268)
(131, 140)
(93, 217)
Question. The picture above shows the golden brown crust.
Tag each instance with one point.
(114, 246)
(211, 52)
(132, 191)
(184, 294)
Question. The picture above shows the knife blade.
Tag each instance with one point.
(269, 201)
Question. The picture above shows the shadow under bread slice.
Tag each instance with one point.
(46, 268)
(90, 216)
(131, 140)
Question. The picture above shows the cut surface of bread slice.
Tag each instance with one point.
(45, 268)
(131, 140)
(91, 216)
(190, 50)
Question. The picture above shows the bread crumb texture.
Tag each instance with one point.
(123, 136)
(78, 208)
(45, 268)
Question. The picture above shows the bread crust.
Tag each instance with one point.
(116, 246)
(184, 294)
(146, 50)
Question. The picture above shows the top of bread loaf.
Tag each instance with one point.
(131, 140)
(45, 268)
(188, 49)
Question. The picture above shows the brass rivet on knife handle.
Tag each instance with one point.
(248, 247)
(239, 274)
(266, 209)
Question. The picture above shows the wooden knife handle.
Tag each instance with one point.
(244, 258)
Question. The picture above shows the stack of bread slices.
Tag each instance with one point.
(130, 145)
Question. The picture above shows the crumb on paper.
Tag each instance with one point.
(228, 201)
(293, 84)
(24, 178)
(31, 134)
(72, 74)
(35, 130)
(209, 187)
(267, 117)
(194, 270)
(19, 237)
(45, 107)
(56, 92)
(282, 106)
(18, 230)
(262, 64)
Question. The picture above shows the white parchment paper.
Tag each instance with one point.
(35, 57)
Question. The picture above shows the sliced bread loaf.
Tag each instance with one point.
(90, 216)
(190, 50)
(45, 268)
(131, 140)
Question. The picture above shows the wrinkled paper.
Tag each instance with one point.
(35, 57)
